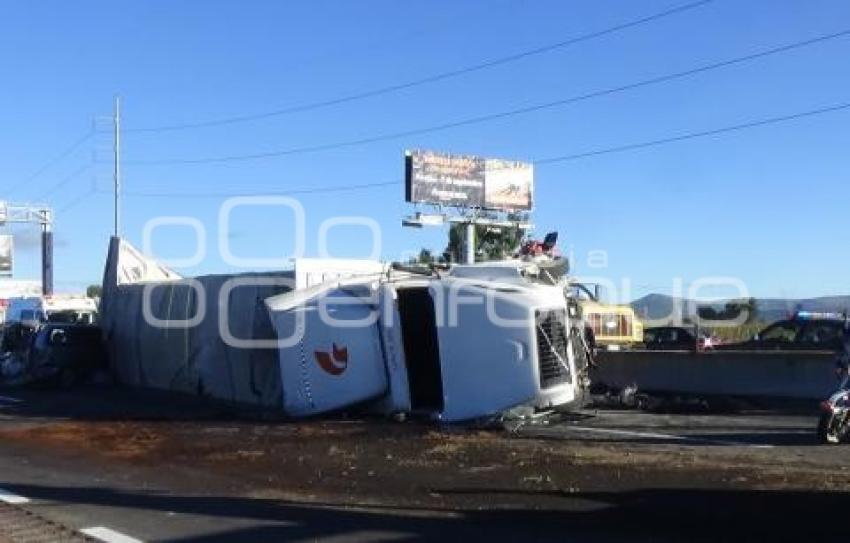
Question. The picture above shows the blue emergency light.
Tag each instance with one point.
(812, 315)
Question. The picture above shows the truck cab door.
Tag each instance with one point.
(485, 367)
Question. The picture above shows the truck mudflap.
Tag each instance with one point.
(329, 347)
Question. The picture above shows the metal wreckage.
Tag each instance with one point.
(462, 343)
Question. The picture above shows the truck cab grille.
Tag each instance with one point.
(552, 342)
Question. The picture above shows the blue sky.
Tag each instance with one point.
(766, 205)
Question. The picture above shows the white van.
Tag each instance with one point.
(35, 310)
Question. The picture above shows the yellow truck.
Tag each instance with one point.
(614, 326)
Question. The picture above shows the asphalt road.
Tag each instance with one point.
(117, 499)
(787, 434)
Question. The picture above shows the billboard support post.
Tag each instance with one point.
(46, 260)
(469, 222)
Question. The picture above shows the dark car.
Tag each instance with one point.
(669, 338)
(66, 353)
(801, 333)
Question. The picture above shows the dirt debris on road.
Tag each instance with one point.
(375, 461)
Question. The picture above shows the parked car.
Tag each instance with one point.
(677, 338)
(805, 331)
(669, 338)
(64, 354)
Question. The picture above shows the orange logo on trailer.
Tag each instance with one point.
(334, 362)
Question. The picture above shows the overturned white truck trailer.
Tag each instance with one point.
(329, 335)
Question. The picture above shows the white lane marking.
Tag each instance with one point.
(669, 437)
(13, 499)
(9, 399)
(109, 536)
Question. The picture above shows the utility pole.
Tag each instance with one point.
(117, 160)
(470, 242)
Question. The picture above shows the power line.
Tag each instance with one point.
(540, 161)
(312, 190)
(426, 80)
(693, 135)
(76, 201)
(504, 114)
(64, 181)
(55, 160)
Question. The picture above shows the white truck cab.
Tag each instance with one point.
(453, 348)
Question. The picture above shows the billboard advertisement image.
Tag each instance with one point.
(508, 185)
(6, 249)
(438, 178)
(468, 181)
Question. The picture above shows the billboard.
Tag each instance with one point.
(6, 250)
(468, 181)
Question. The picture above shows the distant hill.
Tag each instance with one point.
(662, 306)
